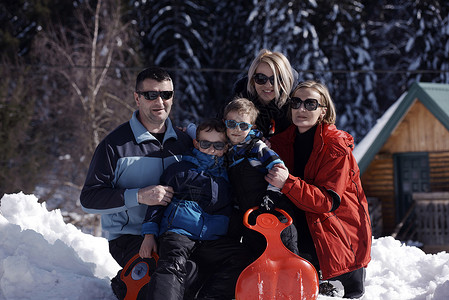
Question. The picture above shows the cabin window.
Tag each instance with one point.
(411, 175)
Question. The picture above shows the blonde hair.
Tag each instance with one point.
(283, 75)
(242, 106)
(326, 99)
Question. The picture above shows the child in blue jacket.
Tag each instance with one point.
(194, 225)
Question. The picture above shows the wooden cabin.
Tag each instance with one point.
(404, 161)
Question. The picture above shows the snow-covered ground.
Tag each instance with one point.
(41, 257)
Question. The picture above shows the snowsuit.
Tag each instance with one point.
(248, 163)
(193, 226)
(331, 196)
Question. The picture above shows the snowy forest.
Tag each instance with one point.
(68, 68)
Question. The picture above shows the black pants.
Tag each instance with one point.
(220, 263)
(125, 247)
(353, 283)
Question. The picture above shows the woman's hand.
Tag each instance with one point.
(277, 176)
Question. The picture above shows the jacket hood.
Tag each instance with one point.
(340, 137)
(210, 164)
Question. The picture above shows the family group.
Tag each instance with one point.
(182, 193)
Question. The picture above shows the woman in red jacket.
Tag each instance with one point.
(323, 181)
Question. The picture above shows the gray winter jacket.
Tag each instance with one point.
(128, 159)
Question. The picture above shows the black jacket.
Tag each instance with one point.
(271, 119)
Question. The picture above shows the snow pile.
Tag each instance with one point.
(398, 272)
(41, 257)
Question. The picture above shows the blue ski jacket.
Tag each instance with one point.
(202, 202)
(129, 158)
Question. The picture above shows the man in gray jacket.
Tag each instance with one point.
(123, 177)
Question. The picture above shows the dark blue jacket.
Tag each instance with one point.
(201, 205)
(129, 158)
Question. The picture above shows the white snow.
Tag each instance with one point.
(41, 257)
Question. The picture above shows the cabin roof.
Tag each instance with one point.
(434, 96)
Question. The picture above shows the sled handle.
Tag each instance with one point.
(249, 211)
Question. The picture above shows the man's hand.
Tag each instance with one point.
(277, 176)
(148, 246)
(155, 195)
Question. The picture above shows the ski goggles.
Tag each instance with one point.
(261, 79)
(309, 104)
(206, 145)
(153, 95)
(231, 124)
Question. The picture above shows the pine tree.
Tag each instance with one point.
(229, 44)
(176, 36)
(408, 37)
(426, 47)
(344, 41)
(270, 23)
(444, 33)
(21, 21)
(303, 42)
(388, 31)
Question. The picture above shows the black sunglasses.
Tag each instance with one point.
(231, 124)
(261, 79)
(206, 145)
(152, 95)
(309, 104)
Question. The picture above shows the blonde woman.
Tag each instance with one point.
(268, 84)
(323, 182)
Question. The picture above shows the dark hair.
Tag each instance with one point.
(154, 73)
(211, 124)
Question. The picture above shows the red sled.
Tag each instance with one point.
(278, 273)
(137, 273)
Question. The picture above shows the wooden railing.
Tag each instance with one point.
(432, 217)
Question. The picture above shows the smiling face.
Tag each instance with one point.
(301, 117)
(265, 91)
(153, 113)
(236, 135)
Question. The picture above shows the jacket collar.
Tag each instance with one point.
(210, 164)
(324, 133)
(318, 141)
(141, 134)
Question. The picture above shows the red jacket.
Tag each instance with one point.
(332, 197)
